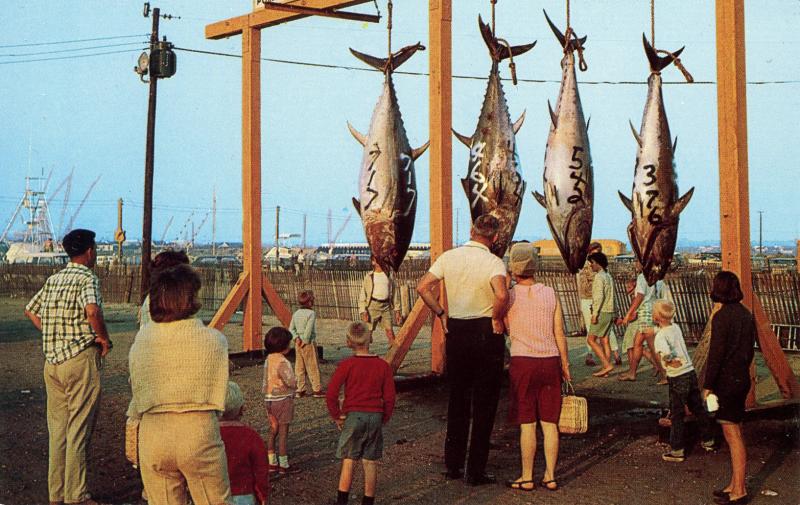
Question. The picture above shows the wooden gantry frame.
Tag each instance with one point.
(253, 286)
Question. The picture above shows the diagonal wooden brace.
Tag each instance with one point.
(231, 302)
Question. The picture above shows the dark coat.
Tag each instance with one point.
(733, 335)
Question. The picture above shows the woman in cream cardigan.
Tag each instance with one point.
(179, 376)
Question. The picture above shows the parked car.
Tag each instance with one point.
(215, 261)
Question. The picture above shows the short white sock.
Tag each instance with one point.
(283, 461)
(273, 459)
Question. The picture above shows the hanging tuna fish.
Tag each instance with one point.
(494, 184)
(568, 179)
(387, 184)
(654, 204)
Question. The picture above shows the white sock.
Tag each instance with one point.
(273, 459)
(283, 461)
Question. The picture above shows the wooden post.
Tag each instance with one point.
(733, 180)
(440, 17)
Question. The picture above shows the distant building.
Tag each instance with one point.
(611, 247)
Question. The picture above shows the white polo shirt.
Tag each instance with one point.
(467, 272)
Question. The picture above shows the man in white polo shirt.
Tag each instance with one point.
(477, 298)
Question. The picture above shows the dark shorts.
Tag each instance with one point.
(361, 436)
(731, 407)
(535, 393)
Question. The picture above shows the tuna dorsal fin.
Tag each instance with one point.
(416, 153)
(467, 141)
(626, 201)
(357, 134)
(553, 117)
(682, 203)
(657, 63)
(587, 123)
(398, 58)
(675, 145)
(518, 122)
(539, 198)
(497, 50)
(357, 205)
(465, 185)
(635, 133)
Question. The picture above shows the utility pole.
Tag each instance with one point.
(160, 63)
(119, 234)
(305, 216)
(214, 222)
(277, 233)
(760, 242)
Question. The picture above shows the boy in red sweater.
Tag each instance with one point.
(247, 456)
(369, 397)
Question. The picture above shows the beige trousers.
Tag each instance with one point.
(73, 391)
(305, 362)
(180, 449)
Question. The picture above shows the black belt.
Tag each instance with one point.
(376, 300)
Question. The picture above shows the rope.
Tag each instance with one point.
(653, 22)
(493, 2)
(568, 24)
(389, 34)
(511, 65)
(678, 64)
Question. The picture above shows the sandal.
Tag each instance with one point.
(517, 485)
(550, 485)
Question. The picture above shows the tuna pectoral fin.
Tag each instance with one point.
(357, 134)
(657, 64)
(357, 205)
(518, 123)
(635, 133)
(496, 49)
(637, 251)
(467, 141)
(682, 203)
(416, 153)
(626, 201)
(562, 247)
(553, 117)
(674, 145)
(398, 58)
(539, 198)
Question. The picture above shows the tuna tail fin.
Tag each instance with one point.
(539, 198)
(357, 134)
(626, 201)
(498, 50)
(682, 203)
(389, 64)
(467, 141)
(357, 205)
(416, 153)
(635, 134)
(658, 63)
(518, 122)
(569, 45)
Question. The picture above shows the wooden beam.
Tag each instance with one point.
(405, 337)
(280, 309)
(733, 181)
(264, 18)
(329, 13)
(251, 185)
(231, 302)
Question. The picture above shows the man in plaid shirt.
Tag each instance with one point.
(68, 312)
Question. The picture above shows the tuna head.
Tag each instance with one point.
(654, 203)
(494, 183)
(568, 179)
(387, 184)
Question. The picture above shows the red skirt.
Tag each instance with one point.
(535, 393)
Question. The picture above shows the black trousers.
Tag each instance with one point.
(474, 357)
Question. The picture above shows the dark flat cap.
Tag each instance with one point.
(77, 242)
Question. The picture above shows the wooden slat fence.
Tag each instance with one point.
(336, 291)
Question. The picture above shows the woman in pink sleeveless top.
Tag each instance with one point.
(539, 361)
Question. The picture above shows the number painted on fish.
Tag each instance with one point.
(649, 172)
(480, 186)
(577, 196)
(407, 161)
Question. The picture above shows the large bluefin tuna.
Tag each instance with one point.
(494, 184)
(387, 185)
(568, 180)
(654, 204)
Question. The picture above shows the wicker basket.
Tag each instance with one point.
(132, 441)
(574, 417)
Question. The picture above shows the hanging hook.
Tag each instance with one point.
(677, 61)
(511, 65)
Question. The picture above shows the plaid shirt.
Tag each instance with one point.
(60, 304)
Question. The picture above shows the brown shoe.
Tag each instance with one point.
(318, 394)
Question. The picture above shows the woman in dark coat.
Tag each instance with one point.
(733, 334)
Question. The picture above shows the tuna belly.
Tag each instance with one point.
(388, 237)
(658, 256)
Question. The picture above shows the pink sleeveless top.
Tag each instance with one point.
(530, 321)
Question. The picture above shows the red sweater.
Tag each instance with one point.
(368, 387)
(247, 460)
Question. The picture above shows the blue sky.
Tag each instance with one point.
(90, 113)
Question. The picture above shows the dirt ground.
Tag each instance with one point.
(616, 462)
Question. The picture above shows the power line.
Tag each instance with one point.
(72, 57)
(464, 77)
(36, 53)
(75, 41)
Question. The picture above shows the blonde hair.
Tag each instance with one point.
(664, 309)
(358, 334)
(234, 399)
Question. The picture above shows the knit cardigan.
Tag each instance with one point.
(180, 366)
